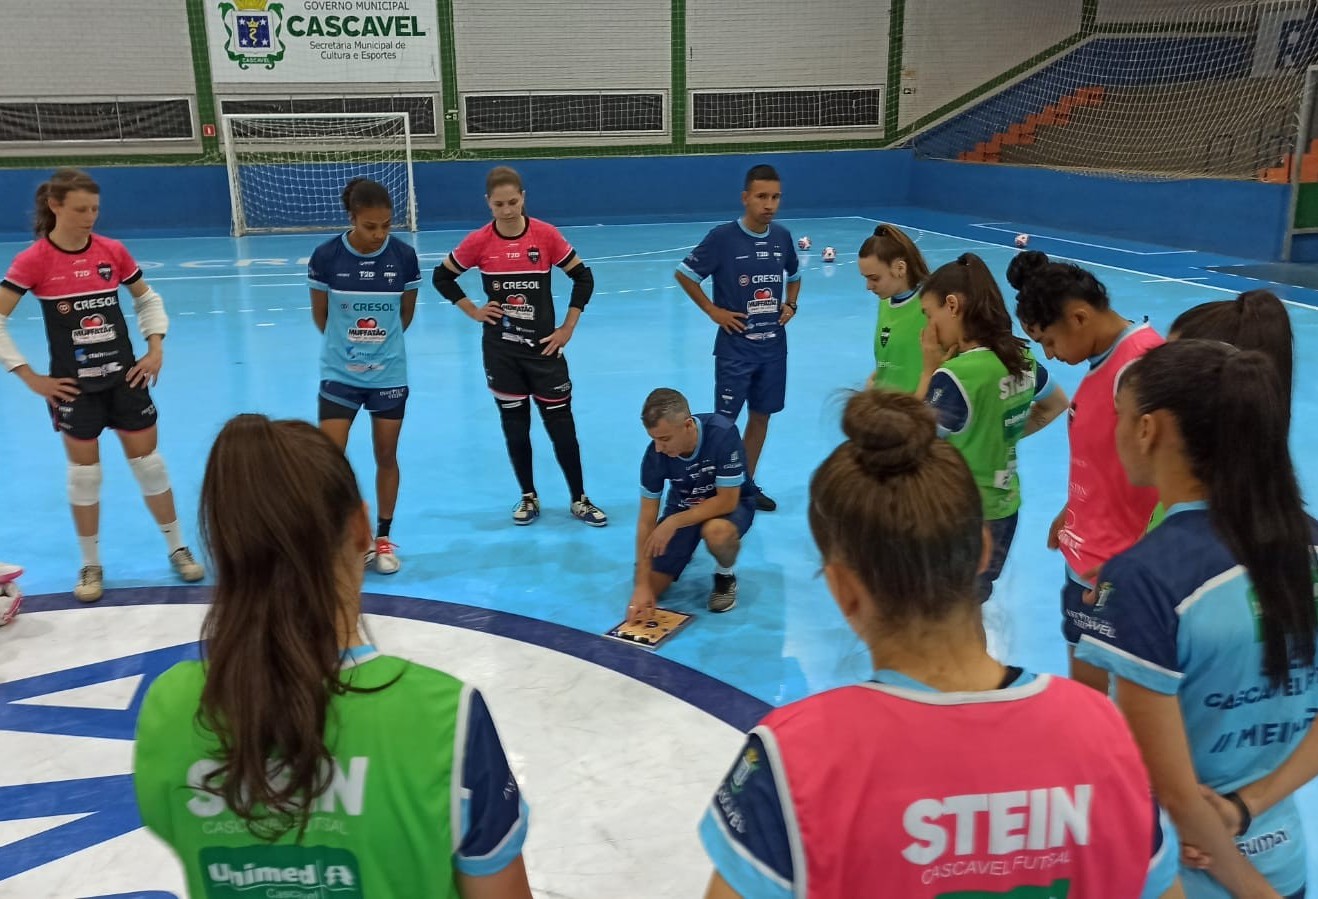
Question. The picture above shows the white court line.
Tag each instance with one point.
(646, 253)
(1115, 268)
(989, 226)
(1164, 279)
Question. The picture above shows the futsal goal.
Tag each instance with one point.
(287, 171)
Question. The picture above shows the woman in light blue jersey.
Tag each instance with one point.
(363, 295)
(1208, 623)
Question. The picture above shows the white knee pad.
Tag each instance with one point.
(150, 473)
(84, 484)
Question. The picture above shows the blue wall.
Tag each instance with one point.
(1236, 218)
(1231, 217)
(1103, 61)
(195, 199)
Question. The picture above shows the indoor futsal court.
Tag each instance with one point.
(1168, 147)
(518, 611)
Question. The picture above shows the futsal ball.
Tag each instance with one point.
(829, 255)
(804, 243)
(1022, 240)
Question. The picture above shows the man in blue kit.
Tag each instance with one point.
(756, 284)
(711, 497)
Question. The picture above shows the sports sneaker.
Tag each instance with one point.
(188, 568)
(528, 510)
(11, 598)
(584, 510)
(764, 503)
(386, 560)
(724, 595)
(90, 586)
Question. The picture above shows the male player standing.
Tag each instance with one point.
(750, 260)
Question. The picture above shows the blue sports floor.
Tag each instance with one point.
(242, 340)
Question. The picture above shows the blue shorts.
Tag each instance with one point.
(760, 384)
(342, 401)
(1002, 532)
(683, 545)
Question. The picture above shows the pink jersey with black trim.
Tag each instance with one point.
(1105, 515)
(902, 792)
(515, 272)
(79, 294)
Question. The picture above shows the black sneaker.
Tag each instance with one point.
(724, 595)
(763, 502)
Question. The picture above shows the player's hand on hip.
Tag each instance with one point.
(641, 607)
(488, 314)
(1054, 529)
(788, 313)
(555, 342)
(657, 543)
(147, 370)
(57, 389)
(732, 322)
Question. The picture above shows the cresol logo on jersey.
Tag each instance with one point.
(268, 41)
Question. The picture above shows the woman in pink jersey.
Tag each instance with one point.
(1066, 309)
(523, 343)
(95, 379)
(871, 790)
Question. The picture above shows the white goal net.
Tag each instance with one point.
(287, 172)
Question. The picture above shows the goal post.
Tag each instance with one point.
(287, 171)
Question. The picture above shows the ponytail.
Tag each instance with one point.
(363, 193)
(57, 188)
(1255, 320)
(1227, 404)
(984, 312)
(1043, 288)
(888, 244)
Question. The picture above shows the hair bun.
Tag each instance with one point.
(1025, 266)
(891, 433)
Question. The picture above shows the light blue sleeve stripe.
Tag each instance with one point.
(648, 495)
(687, 270)
(317, 285)
(735, 867)
(1047, 390)
(732, 481)
(1127, 666)
(412, 285)
(792, 279)
(942, 432)
(500, 858)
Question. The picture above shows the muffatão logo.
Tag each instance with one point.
(253, 27)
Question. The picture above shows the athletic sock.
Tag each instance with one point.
(173, 536)
(90, 546)
(382, 526)
(729, 571)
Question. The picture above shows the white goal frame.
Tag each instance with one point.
(345, 146)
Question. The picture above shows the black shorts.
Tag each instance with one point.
(121, 408)
(517, 376)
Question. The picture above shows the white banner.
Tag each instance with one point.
(317, 41)
(1287, 40)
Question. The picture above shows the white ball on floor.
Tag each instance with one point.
(829, 255)
(803, 243)
(1022, 240)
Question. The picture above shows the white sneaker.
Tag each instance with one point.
(91, 584)
(584, 510)
(11, 599)
(385, 559)
(527, 509)
(188, 568)
(10, 572)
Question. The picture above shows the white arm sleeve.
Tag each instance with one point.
(151, 317)
(10, 357)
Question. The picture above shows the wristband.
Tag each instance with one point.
(1246, 819)
(790, 304)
